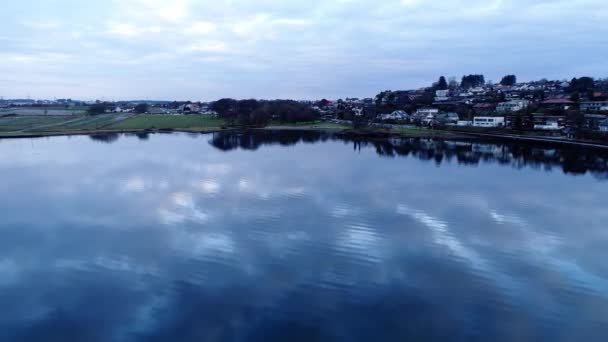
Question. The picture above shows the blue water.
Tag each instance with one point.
(300, 237)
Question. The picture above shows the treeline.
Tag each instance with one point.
(260, 112)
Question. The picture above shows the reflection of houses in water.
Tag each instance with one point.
(487, 148)
(467, 152)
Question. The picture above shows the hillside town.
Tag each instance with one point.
(550, 107)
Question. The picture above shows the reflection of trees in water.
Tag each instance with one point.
(107, 138)
(571, 160)
(254, 140)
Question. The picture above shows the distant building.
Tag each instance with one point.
(549, 123)
(560, 103)
(603, 126)
(427, 111)
(512, 106)
(488, 121)
(442, 95)
(447, 118)
(593, 106)
(396, 115)
(481, 108)
(157, 110)
(464, 123)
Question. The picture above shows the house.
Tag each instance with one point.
(549, 123)
(593, 106)
(603, 126)
(447, 118)
(557, 103)
(464, 123)
(396, 115)
(423, 112)
(485, 107)
(489, 121)
(512, 106)
(157, 110)
(593, 121)
(442, 95)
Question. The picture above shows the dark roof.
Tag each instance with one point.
(558, 101)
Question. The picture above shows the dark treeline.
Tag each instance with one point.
(254, 112)
(570, 160)
(472, 81)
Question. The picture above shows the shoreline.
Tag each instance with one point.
(343, 132)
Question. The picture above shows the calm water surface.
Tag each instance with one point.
(300, 237)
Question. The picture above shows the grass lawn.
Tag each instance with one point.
(168, 122)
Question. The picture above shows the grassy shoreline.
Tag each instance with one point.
(44, 126)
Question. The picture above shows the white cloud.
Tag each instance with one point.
(328, 48)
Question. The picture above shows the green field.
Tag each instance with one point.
(20, 123)
(169, 122)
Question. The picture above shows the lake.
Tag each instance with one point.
(300, 236)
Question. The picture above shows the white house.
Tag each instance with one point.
(396, 115)
(442, 95)
(512, 106)
(488, 121)
(424, 112)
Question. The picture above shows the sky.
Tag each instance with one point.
(267, 49)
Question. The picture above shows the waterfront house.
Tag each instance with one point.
(549, 122)
(489, 121)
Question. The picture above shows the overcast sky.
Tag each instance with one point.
(204, 50)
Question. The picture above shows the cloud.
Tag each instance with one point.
(330, 48)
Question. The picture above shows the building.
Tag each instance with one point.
(594, 106)
(424, 112)
(557, 104)
(512, 106)
(489, 121)
(603, 126)
(484, 108)
(396, 115)
(447, 118)
(549, 123)
(442, 95)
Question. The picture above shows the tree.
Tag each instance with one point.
(575, 97)
(472, 81)
(453, 84)
(141, 108)
(442, 84)
(226, 109)
(509, 80)
(245, 111)
(583, 84)
(96, 109)
(518, 123)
